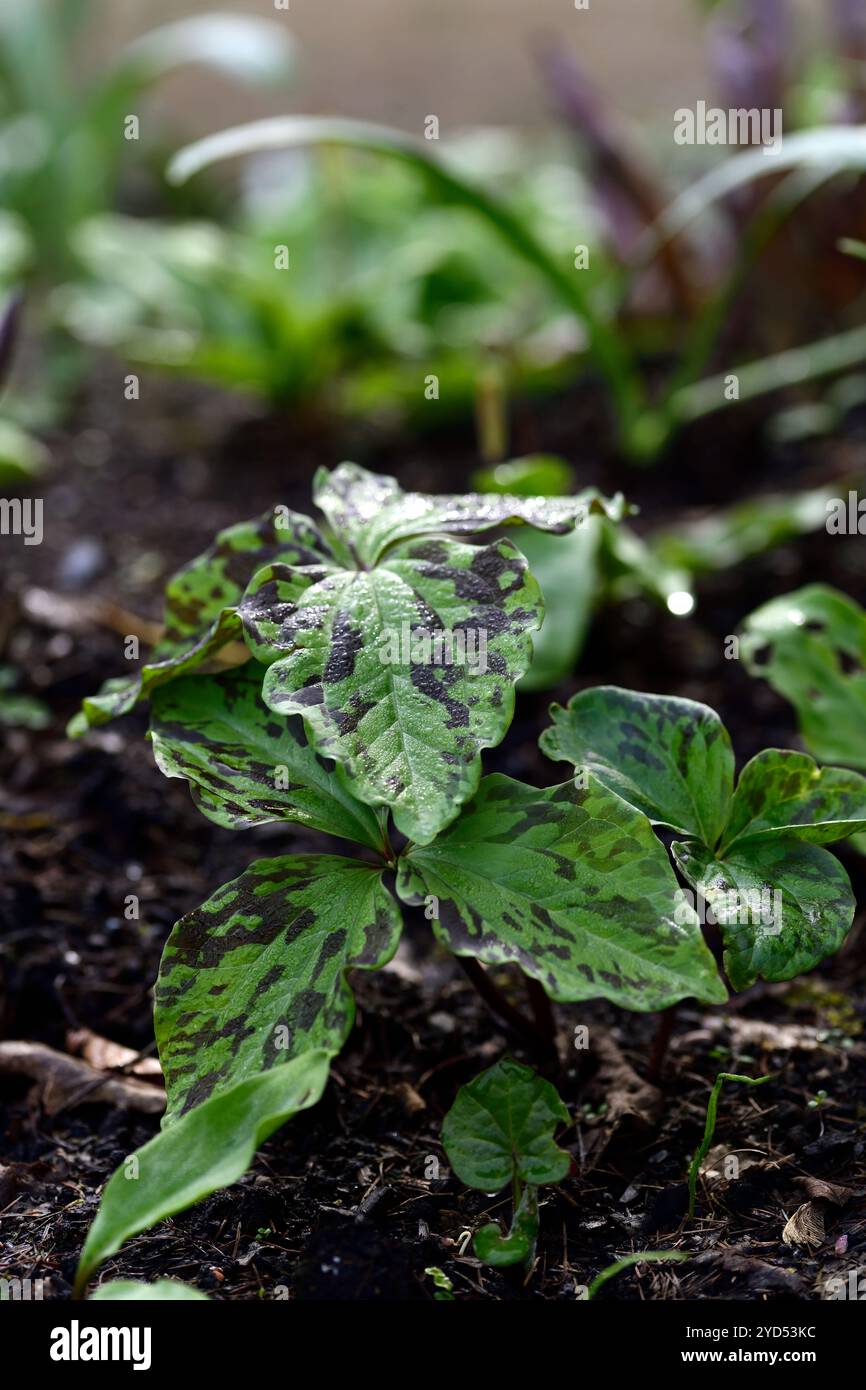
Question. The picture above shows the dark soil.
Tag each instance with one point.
(353, 1199)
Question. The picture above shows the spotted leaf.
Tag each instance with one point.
(780, 792)
(256, 975)
(200, 604)
(403, 673)
(573, 885)
(782, 905)
(372, 512)
(811, 647)
(247, 765)
(670, 758)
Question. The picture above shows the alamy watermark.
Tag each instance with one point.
(846, 516)
(759, 907)
(712, 125)
(77, 1343)
(847, 1286)
(22, 517)
(21, 1290)
(421, 646)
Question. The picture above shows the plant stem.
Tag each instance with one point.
(710, 1127)
(542, 1013)
(497, 1003)
(660, 1042)
(629, 1261)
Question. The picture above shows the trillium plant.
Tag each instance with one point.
(346, 676)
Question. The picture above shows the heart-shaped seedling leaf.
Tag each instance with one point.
(257, 974)
(501, 1127)
(518, 1246)
(780, 792)
(403, 673)
(671, 759)
(782, 905)
(572, 884)
(200, 604)
(811, 647)
(372, 513)
(247, 765)
(207, 1149)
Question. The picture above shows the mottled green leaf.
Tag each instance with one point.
(372, 512)
(780, 792)
(247, 765)
(573, 885)
(402, 673)
(120, 694)
(671, 759)
(811, 647)
(501, 1126)
(782, 905)
(200, 604)
(161, 1291)
(256, 975)
(207, 1149)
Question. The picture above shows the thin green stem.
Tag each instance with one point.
(628, 1261)
(710, 1127)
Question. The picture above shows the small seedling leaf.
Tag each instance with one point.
(518, 1246)
(501, 1126)
(160, 1291)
